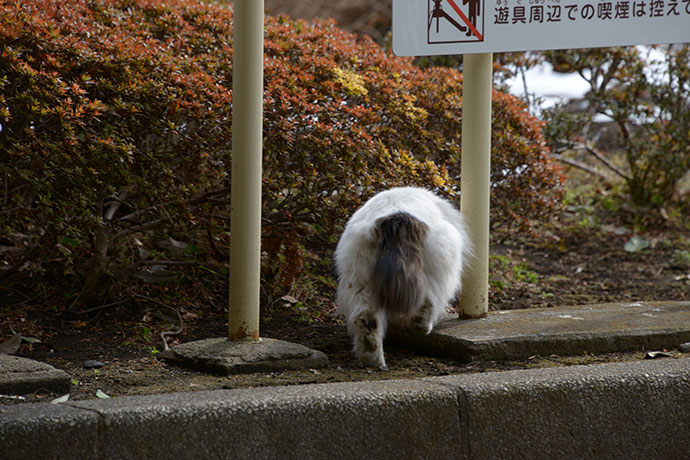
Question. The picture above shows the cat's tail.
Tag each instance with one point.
(397, 276)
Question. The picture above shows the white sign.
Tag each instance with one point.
(432, 27)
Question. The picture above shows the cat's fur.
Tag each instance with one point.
(399, 260)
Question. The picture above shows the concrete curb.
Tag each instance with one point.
(637, 410)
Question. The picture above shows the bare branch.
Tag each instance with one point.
(115, 205)
(210, 197)
(600, 156)
(166, 263)
(107, 305)
(581, 166)
(169, 263)
(138, 228)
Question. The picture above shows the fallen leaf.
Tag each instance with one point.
(157, 274)
(657, 354)
(11, 346)
(620, 231)
(61, 399)
(100, 394)
(636, 244)
(188, 316)
(31, 340)
(289, 299)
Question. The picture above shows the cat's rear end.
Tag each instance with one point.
(397, 278)
(400, 260)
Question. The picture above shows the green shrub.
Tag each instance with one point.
(116, 128)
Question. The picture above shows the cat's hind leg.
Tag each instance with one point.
(369, 328)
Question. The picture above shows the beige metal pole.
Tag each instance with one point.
(476, 160)
(247, 112)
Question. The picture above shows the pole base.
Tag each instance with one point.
(225, 357)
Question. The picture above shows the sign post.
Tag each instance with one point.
(477, 28)
(247, 116)
(475, 165)
(243, 350)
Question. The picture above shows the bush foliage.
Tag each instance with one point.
(116, 127)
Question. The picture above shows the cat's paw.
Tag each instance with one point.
(421, 323)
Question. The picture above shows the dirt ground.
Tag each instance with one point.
(579, 260)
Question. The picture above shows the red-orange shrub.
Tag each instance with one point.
(116, 125)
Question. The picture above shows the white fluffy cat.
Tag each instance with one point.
(399, 260)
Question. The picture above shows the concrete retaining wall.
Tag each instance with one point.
(637, 410)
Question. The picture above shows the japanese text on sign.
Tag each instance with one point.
(428, 27)
(540, 11)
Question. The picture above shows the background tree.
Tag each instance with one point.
(645, 93)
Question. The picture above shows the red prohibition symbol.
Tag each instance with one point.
(470, 26)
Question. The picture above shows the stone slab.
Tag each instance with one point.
(19, 376)
(222, 356)
(516, 334)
